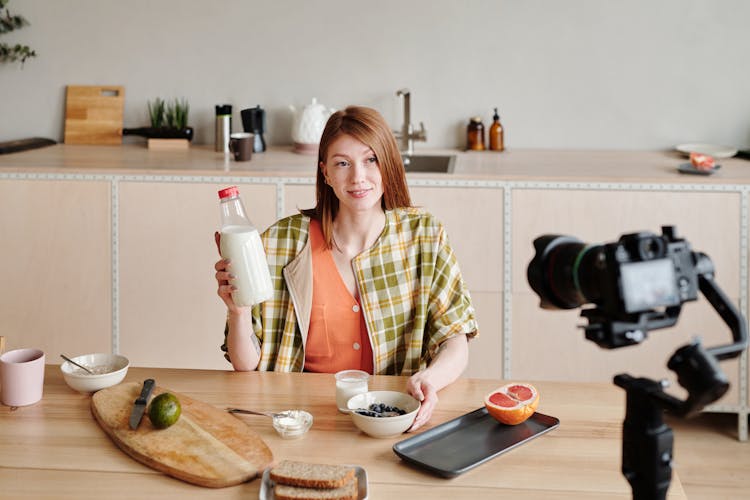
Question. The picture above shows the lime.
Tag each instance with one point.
(164, 410)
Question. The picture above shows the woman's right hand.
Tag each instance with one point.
(243, 346)
(223, 278)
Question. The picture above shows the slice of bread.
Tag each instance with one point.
(347, 492)
(307, 475)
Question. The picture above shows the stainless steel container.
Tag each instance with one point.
(223, 127)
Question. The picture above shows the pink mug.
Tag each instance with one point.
(21, 377)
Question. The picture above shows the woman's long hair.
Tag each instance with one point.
(367, 126)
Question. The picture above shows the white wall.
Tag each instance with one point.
(628, 74)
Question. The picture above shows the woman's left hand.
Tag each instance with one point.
(421, 388)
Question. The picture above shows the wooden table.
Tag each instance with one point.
(55, 448)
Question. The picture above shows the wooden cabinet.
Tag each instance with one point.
(55, 270)
(169, 313)
(115, 261)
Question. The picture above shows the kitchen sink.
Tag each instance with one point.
(429, 163)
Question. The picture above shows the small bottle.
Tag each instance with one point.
(241, 244)
(475, 134)
(223, 127)
(496, 134)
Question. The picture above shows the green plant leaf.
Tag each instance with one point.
(10, 23)
(156, 112)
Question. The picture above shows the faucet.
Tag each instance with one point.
(407, 135)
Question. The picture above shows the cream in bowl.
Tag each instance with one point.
(383, 414)
(292, 424)
(109, 370)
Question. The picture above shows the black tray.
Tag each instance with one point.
(463, 443)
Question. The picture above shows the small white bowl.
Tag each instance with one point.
(383, 427)
(109, 370)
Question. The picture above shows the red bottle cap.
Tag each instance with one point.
(229, 192)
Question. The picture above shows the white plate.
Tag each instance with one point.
(266, 484)
(706, 149)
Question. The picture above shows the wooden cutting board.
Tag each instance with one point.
(207, 446)
(93, 114)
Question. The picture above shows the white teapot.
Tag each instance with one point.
(308, 125)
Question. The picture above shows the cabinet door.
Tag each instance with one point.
(55, 268)
(298, 197)
(473, 220)
(170, 315)
(548, 344)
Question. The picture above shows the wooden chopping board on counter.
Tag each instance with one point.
(206, 446)
(93, 114)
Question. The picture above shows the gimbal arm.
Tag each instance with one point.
(722, 305)
(696, 367)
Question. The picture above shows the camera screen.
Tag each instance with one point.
(648, 284)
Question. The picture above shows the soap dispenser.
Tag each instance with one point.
(496, 134)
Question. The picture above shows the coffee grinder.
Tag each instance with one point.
(254, 121)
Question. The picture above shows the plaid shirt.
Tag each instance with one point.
(410, 288)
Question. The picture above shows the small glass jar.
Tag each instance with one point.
(475, 135)
(349, 383)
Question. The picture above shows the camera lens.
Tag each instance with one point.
(562, 272)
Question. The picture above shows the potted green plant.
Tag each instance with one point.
(169, 120)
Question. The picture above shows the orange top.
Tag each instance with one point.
(337, 338)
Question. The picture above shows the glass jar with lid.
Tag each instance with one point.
(475, 134)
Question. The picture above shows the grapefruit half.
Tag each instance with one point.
(512, 403)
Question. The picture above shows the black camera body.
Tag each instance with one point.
(637, 283)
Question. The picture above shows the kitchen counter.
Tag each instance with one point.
(512, 165)
(142, 222)
(56, 449)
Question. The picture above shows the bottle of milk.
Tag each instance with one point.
(240, 243)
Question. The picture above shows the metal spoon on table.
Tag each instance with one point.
(63, 356)
(263, 413)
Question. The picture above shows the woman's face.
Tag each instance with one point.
(352, 171)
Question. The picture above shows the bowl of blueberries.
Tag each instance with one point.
(383, 414)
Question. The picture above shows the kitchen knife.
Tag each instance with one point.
(139, 406)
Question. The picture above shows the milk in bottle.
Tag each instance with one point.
(241, 244)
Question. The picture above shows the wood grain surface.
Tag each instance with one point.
(207, 446)
(54, 449)
(93, 114)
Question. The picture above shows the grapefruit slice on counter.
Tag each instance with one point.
(512, 403)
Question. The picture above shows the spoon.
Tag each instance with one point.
(63, 356)
(263, 413)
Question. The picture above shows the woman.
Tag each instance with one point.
(363, 280)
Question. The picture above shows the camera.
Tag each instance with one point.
(637, 283)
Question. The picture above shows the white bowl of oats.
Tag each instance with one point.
(109, 370)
